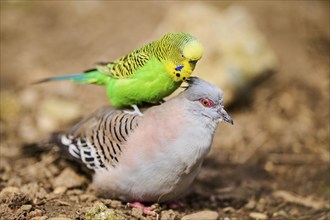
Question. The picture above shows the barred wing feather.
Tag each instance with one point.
(99, 140)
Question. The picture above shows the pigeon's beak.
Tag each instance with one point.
(224, 115)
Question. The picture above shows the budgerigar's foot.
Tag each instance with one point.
(135, 112)
(147, 210)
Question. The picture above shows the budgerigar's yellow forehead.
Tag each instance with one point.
(193, 50)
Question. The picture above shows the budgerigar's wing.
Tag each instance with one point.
(99, 140)
(126, 66)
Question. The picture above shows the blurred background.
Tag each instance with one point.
(271, 59)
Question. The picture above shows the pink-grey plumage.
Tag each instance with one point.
(149, 158)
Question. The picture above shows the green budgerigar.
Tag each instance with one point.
(147, 74)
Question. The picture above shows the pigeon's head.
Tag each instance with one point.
(206, 99)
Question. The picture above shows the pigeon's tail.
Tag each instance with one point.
(68, 146)
(36, 149)
(47, 145)
(90, 77)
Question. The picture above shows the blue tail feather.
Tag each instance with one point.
(79, 77)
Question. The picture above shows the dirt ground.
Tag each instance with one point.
(274, 163)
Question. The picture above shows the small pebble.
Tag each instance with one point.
(8, 194)
(34, 190)
(260, 206)
(68, 178)
(87, 197)
(281, 213)
(137, 212)
(9, 190)
(26, 207)
(37, 214)
(75, 192)
(168, 215)
(60, 190)
(40, 218)
(74, 199)
(59, 218)
(294, 212)
(101, 211)
(62, 203)
(112, 203)
(251, 204)
(269, 166)
(115, 203)
(258, 215)
(209, 215)
(228, 210)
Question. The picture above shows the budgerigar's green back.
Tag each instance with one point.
(145, 86)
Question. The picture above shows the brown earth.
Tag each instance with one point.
(273, 163)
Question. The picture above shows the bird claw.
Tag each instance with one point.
(135, 112)
(147, 210)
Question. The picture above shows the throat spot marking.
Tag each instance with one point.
(179, 68)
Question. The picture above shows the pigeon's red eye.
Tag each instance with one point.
(206, 102)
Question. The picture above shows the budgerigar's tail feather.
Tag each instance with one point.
(90, 77)
(74, 77)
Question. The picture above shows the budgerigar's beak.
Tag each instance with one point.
(193, 64)
(224, 115)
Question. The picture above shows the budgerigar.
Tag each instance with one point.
(146, 75)
(149, 158)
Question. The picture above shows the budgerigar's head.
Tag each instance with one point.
(193, 50)
(183, 51)
(206, 99)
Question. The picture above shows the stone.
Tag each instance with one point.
(27, 207)
(69, 179)
(115, 203)
(281, 213)
(137, 212)
(228, 210)
(60, 190)
(258, 215)
(209, 215)
(251, 204)
(34, 190)
(102, 212)
(9, 190)
(59, 218)
(168, 215)
(8, 193)
(44, 217)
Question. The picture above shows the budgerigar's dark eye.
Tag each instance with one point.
(182, 56)
(206, 102)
